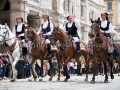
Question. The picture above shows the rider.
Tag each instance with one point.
(18, 30)
(71, 29)
(46, 30)
(106, 27)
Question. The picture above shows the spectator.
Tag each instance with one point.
(37, 69)
(1, 66)
(26, 69)
(55, 66)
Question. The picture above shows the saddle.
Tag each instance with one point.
(12, 47)
(98, 48)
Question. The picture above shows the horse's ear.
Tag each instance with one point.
(98, 21)
(91, 20)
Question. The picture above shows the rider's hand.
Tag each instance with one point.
(19, 36)
(101, 31)
(44, 34)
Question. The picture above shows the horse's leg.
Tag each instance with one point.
(58, 60)
(41, 70)
(14, 69)
(111, 65)
(105, 70)
(118, 61)
(85, 54)
(33, 69)
(66, 69)
(94, 69)
(51, 70)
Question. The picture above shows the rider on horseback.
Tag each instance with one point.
(107, 28)
(46, 30)
(18, 31)
(71, 29)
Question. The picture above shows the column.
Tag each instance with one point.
(70, 6)
(17, 8)
(60, 6)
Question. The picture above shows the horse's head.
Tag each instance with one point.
(95, 27)
(3, 32)
(55, 35)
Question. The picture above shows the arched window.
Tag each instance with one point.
(82, 11)
(7, 6)
(64, 5)
(54, 5)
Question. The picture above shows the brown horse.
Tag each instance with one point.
(100, 50)
(39, 51)
(67, 50)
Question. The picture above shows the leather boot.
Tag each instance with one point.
(49, 50)
(78, 47)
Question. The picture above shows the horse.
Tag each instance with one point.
(100, 50)
(67, 50)
(39, 51)
(15, 51)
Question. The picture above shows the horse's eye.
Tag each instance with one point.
(4, 32)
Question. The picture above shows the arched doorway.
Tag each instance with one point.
(4, 17)
(4, 12)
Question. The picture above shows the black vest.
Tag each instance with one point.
(107, 28)
(17, 33)
(72, 30)
(47, 29)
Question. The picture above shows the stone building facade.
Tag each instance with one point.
(32, 11)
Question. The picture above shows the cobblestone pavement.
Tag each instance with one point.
(75, 83)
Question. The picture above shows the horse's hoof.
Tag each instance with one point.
(40, 80)
(12, 80)
(58, 79)
(118, 74)
(68, 77)
(92, 81)
(35, 79)
(112, 77)
(106, 81)
(86, 79)
(65, 80)
(29, 80)
(50, 79)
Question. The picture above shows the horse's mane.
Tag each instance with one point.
(34, 31)
(62, 32)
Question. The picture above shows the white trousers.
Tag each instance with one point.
(47, 41)
(76, 39)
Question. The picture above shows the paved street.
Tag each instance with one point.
(75, 83)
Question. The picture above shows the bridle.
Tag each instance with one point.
(7, 32)
(97, 30)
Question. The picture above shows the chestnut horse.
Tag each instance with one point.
(67, 50)
(39, 51)
(100, 50)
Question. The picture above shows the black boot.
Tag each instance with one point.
(78, 47)
(49, 50)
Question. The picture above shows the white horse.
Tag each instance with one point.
(7, 36)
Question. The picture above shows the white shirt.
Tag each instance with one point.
(19, 29)
(77, 24)
(45, 24)
(25, 44)
(111, 29)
